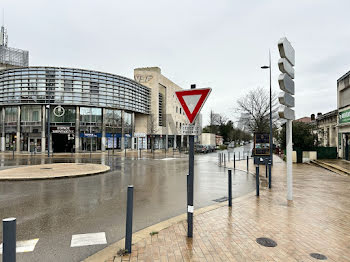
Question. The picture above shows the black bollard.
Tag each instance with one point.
(247, 163)
(269, 174)
(234, 160)
(230, 188)
(257, 180)
(9, 239)
(129, 211)
(266, 170)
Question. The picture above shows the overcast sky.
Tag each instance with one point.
(217, 44)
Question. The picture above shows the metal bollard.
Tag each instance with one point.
(247, 163)
(269, 175)
(9, 239)
(234, 160)
(230, 188)
(257, 180)
(129, 211)
(140, 153)
(266, 170)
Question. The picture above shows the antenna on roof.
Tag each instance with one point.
(3, 33)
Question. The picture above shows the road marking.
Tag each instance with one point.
(169, 158)
(88, 239)
(24, 246)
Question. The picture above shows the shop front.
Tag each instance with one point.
(344, 134)
(62, 139)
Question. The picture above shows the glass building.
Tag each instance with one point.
(81, 110)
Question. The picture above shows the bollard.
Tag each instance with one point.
(129, 209)
(247, 163)
(266, 170)
(269, 174)
(234, 160)
(230, 188)
(224, 160)
(140, 153)
(257, 180)
(9, 239)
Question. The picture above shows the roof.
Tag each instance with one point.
(328, 114)
(344, 76)
(304, 119)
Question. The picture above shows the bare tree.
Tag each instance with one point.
(254, 108)
(152, 128)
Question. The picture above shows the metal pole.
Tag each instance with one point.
(234, 160)
(129, 211)
(257, 180)
(190, 182)
(9, 239)
(224, 160)
(269, 175)
(48, 129)
(230, 188)
(271, 141)
(247, 163)
(266, 170)
(289, 160)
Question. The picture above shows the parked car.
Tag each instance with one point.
(200, 149)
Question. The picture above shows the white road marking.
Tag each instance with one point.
(168, 158)
(88, 239)
(24, 246)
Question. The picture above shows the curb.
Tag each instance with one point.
(334, 168)
(56, 177)
(112, 249)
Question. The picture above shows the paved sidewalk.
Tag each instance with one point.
(339, 166)
(316, 221)
(48, 171)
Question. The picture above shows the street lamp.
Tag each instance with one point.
(269, 67)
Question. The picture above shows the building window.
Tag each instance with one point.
(31, 113)
(180, 110)
(176, 109)
(160, 111)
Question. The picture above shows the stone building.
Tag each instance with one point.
(327, 128)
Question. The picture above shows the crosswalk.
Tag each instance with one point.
(78, 240)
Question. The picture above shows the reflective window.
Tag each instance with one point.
(30, 113)
(11, 114)
(67, 117)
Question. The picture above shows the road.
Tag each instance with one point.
(54, 210)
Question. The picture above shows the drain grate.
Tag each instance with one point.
(266, 242)
(46, 168)
(318, 256)
(221, 199)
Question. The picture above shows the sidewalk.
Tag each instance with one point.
(339, 166)
(316, 221)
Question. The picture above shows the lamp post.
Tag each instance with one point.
(271, 145)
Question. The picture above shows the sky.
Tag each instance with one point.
(218, 44)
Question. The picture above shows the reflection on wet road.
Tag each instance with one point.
(54, 210)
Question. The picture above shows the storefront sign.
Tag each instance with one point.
(62, 130)
(344, 117)
(58, 111)
(261, 144)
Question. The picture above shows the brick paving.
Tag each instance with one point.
(316, 221)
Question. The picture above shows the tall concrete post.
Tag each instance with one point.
(77, 126)
(103, 139)
(289, 160)
(174, 141)
(3, 130)
(166, 142)
(182, 141)
(18, 138)
(122, 146)
(43, 128)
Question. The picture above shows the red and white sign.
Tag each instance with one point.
(192, 101)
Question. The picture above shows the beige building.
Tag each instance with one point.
(327, 128)
(163, 124)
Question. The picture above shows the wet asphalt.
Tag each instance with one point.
(54, 210)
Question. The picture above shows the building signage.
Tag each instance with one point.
(190, 130)
(62, 130)
(344, 117)
(58, 111)
(262, 144)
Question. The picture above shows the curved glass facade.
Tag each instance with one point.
(69, 86)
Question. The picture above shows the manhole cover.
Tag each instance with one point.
(222, 199)
(266, 242)
(318, 256)
(46, 168)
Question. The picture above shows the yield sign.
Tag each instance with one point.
(192, 101)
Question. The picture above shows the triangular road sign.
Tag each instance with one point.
(192, 101)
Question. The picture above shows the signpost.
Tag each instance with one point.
(286, 99)
(192, 102)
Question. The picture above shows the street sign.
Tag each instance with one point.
(286, 99)
(286, 50)
(286, 67)
(190, 130)
(192, 101)
(261, 144)
(286, 83)
(286, 113)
